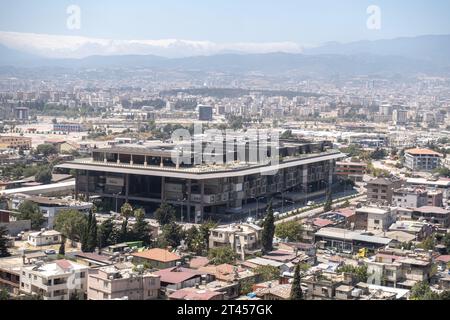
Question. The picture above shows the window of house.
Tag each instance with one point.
(376, 221)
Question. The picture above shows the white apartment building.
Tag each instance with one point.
(410, 197)
(56, 280)
(378, 219)
(114, 282)
(243, 238)
(422, 159)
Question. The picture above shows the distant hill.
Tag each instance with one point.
(432, 48)
(427, 54)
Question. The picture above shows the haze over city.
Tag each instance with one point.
(251, 155)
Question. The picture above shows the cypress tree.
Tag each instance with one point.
(296, 290)
(4, 242)
(62, 247)
(268, 230)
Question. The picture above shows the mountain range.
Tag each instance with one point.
(424, 54)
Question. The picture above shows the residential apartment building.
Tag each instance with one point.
(399, 269)
(57, 280)
(122, 281)
(436, 215)
(380, 190)
(15, 142)
(243, 238)
(374, 218)
(410, 197)
(351, 170)
(422, 159)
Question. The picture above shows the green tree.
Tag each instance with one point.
(141, 229)
(44, 175)
(268, 273)
(428, 244)
(422, 291)
(29, 210)
(4, 242)
(205, 231)
(4, 295)
(71, 223)
(106, 233)
(221, 255)
(46, 149)
(123, 235)
(62, 246)
(173, 234)
(195, 240)
(296, 289)
(292, 231)
(357, 272)
(89, 242)
(329, 203)
(268, 230)
(126, 210)
(165, 214)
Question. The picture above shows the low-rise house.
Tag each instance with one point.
(420, 230)
(196, 294)
(157, 258)
(176, 278)
(243, 238)
(92, 259)
(274, 291)
(347, 241)
(398, 269)
(435, 215)
(116, 282)
(57, 280)
(51, 206)
(44, 238)
(374, 218)
(323, 286)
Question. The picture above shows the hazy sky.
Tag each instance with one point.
(305, 22)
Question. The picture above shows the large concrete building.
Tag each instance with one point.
(147, 174)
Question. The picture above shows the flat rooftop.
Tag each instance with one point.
(204, 171)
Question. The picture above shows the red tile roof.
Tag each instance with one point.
(157, 254)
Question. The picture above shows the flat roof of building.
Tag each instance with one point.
(198, 173)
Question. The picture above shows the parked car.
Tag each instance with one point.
(49, 252)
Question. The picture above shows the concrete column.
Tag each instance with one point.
(87, 191)
(104, 158)
(202, 191)
(163, 186)
(76, 184)
(127, 186)
(145, 161)
(131, 160)
(162, 163)
(118, 158)
(189, 200)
